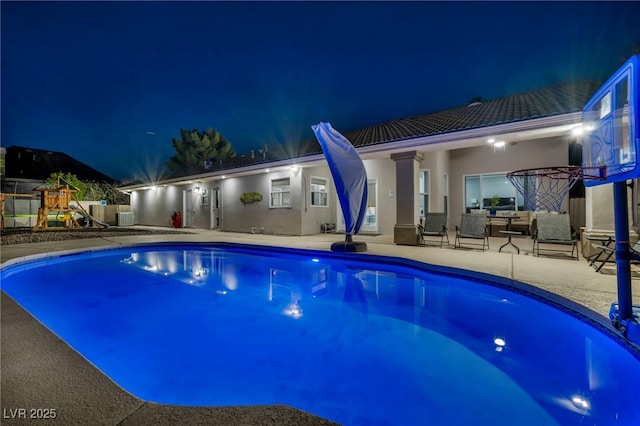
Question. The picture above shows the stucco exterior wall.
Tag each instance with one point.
(239, 217)
(154, 206)
(483, 159)
(600, 214)
(600, 210)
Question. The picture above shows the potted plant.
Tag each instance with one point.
(495, 202)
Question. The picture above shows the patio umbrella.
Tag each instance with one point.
(350, 179)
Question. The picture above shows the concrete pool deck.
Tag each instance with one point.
(39, 371)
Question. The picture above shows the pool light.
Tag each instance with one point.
(580, 402)
(293, 310)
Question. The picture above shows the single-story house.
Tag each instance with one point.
(450, 161)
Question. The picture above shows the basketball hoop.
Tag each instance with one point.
(545, 188)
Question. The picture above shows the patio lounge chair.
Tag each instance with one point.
(554, 229)
(435, 225)
(472, 226)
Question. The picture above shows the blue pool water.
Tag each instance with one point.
(359, 342)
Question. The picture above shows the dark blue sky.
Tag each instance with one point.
(111, 83)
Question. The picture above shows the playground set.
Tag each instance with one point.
(56, 211)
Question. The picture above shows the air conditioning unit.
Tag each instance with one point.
(125, 218)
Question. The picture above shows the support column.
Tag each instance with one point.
(407, 215)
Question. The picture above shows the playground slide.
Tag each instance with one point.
(88, 217)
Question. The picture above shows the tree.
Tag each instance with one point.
(195, 147)
(67, 178)
(88, 190)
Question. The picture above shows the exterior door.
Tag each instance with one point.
(188, 207)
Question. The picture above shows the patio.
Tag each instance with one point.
(41, 371)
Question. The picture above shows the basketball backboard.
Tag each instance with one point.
(610, 123)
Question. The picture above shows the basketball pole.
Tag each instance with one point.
(623, 255)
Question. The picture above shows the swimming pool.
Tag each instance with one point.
(352, 338)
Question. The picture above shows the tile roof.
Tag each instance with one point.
(550, 101)
(38, 164)
(555, 100)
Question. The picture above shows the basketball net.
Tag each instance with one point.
(545, 188)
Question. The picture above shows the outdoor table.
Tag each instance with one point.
(508, 218)
(509, 234)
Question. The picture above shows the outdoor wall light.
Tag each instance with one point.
(577, 131)
(491, 140)
(499, 144)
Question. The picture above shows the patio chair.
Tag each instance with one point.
(472, 226)
(604, 250)
(608, 250)
(554, 229)
(435, 225)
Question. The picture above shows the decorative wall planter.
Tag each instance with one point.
(250, 197)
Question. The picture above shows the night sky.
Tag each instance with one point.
(111, 83)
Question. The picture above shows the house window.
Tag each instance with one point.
(280, 195)
(423, 182)
(205, 196)
(479, 189)
(319, 196)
